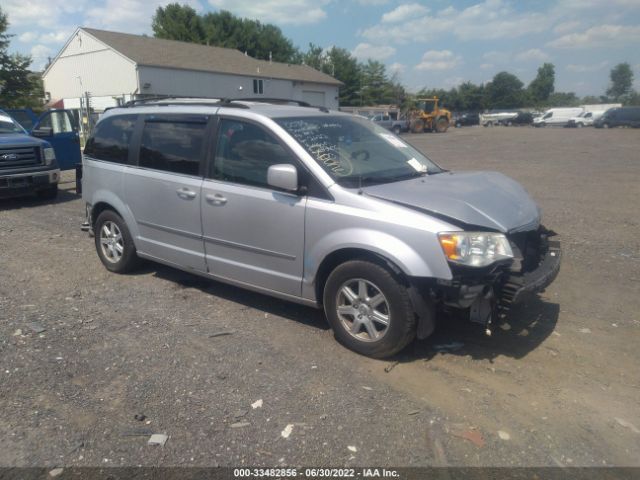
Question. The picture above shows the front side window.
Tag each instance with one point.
(110, 141)
(245, 152)
(357, 152)
(548, 115)
(59, 121)
(173, 145)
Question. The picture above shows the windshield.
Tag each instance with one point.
(356, 152)
(7, 125)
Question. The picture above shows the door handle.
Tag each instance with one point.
(186, 193)
(215, 199)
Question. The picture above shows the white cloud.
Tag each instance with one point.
(280, 12)
(131, 16)
(600, 36)
(486, 66)
(40, 55)
(372, 2)
(533, 54)
(566, 27)
(453, 82)
(438, 60)
(572, 67)
(397, 68)
(488, 20)
(496, 56)
(28, 37)
(364, 51)
(43, 13)
(404, 12)
(56, 36)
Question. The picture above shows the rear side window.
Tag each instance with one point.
(110, 142)
(173, 145)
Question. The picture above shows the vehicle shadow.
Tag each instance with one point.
(529, 323)
(251, 300)
(526, 327)
(66, 193)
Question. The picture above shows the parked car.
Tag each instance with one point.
(466, 119)
(396, 126)
(60, 129)
(619, 117)
(496, 118)
(585, 119)
(522, 118)
(27, 164)
(316, 207)
(558, 117)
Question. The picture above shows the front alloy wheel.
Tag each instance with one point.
(369, 308)
(363, 310)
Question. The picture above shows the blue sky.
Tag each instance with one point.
(434, 44)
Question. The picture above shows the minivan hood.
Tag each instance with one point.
(476, 199)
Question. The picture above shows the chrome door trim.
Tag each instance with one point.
(241, 246)
(177, 231)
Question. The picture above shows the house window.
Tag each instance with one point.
(258, 86)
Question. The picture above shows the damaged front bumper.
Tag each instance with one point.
(488, 293)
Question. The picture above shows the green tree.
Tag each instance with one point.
(223, 29)
(342, 65)
(621, 81)
(178, 22)
(543, 85)
(19, 87)
(505, 91)
(375, 86)
(564, 99)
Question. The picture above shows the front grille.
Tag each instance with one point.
(11, 157)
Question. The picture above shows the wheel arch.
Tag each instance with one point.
(105, 200)
(342, 255)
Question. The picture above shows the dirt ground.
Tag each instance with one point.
(560, 387)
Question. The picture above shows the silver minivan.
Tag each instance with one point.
(316, 207)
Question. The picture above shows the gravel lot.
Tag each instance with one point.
(562, 385)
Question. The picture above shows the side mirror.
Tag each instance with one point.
(283, 176)
(42, 132)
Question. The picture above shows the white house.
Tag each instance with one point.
(115, 67)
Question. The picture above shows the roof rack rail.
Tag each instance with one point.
(164, 101)
(277, 101)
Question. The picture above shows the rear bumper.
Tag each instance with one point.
(516, 287)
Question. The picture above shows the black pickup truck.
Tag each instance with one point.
(27, 164)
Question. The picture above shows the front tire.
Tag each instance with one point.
(368, 309)
(114, 243)
(397, 130)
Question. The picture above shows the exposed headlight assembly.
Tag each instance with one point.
(475, 249)
(49, 155)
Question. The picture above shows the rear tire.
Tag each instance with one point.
(359, 297)
(397, 130)
(50, 193)
(114, 243)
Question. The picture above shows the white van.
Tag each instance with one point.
(557, 116)
(590, 114)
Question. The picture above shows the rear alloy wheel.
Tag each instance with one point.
(397, 130)
(369, 310)
(114, 243)
(579, 125)
(605, 125)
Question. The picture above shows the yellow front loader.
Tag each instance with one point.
(429, 117)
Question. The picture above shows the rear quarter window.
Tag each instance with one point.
(110, 141)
